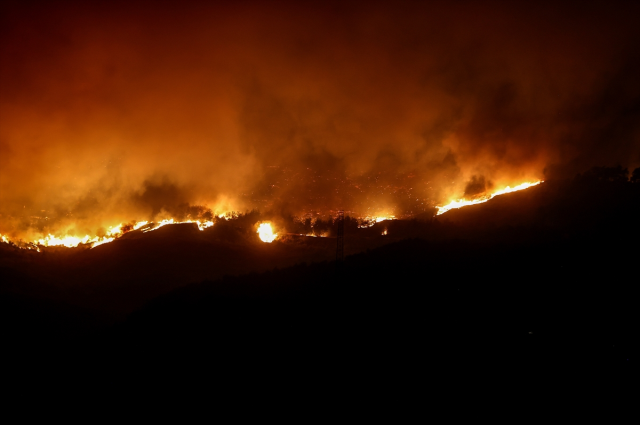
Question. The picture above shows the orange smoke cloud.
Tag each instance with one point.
(113, 112)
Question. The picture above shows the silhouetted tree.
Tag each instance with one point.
(322, 227)
(307, 226)
(606, 174)
(635, 176)
(350, 224)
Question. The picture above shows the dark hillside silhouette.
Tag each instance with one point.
(545, 278)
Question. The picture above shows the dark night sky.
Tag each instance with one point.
(114, 111)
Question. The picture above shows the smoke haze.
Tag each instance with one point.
(117, 111)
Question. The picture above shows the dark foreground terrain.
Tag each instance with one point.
(541, 283)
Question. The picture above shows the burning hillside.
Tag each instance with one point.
(93, 241)
(312, 226)
(113, 116)
(484, 198)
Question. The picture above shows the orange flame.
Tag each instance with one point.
(463, 202)
(113, 233)
(266, 233)
(370, 221)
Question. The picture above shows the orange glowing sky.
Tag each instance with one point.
(113, 111)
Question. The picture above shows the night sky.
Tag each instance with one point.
(118, 111)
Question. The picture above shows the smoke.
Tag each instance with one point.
(112, 112)
(477, 186)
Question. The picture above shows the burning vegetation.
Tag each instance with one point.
(459, 203)
(307, 225)
(266, 233)
(135, 128)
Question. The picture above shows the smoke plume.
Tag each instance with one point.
(115, 111)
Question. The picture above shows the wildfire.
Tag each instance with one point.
(68, 241)
(154, 226)
(112, 234)
(266, 233)
(463, 202)
(370, 221)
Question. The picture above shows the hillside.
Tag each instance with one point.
(543, 277)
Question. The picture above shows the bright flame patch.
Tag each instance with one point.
(113, 233)
(266, 233)
(463, 202)
(370, 221)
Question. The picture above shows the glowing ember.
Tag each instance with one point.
(266, 233)
(313, 235)
(463, 202)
